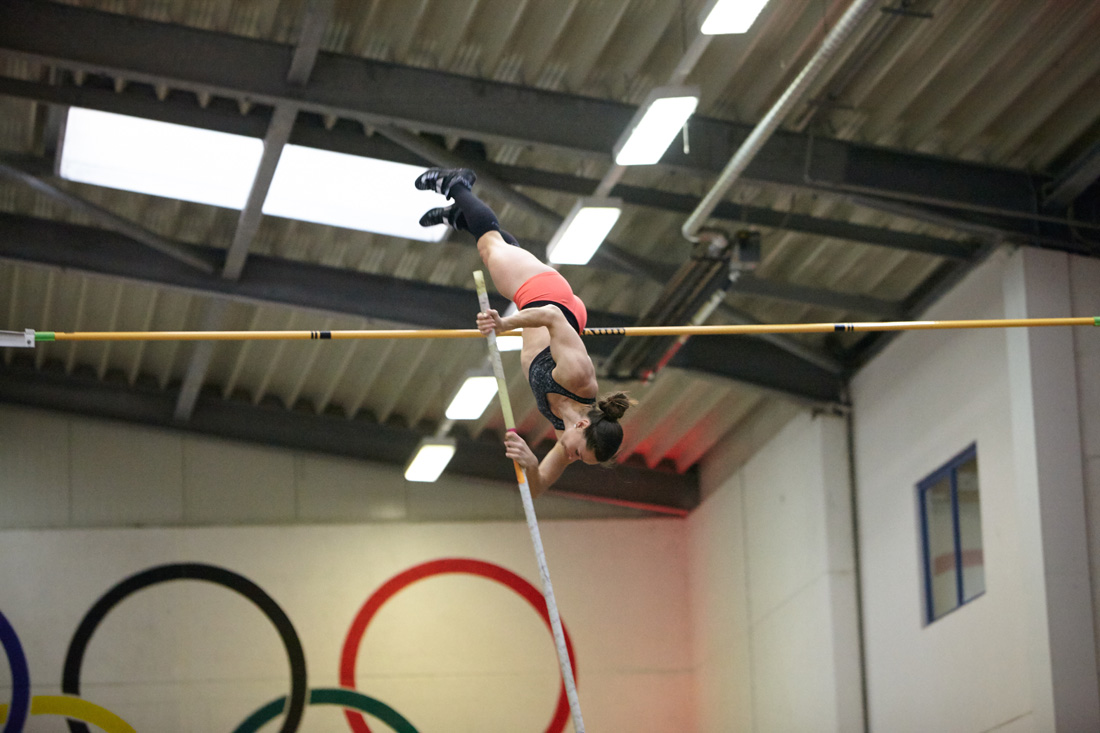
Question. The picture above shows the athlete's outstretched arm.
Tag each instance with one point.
(540, 475)
(566, 345)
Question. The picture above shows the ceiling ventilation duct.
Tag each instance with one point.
(689, 298)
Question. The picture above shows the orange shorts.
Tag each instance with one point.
(550, 287)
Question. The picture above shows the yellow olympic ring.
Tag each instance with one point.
(74, 707)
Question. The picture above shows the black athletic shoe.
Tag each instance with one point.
(440, 180)
(440, 216)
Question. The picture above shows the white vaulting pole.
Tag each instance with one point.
(532, 522)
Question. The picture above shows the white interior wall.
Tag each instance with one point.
(64, 470)
(722, 650)
(776, 645)
(1084, 275)
(927, 397)
(759, 541)
(989, 664)
(620, 585)
(449, 653)
(85, 503)
(1046, 426)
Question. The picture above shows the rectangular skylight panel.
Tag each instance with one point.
(353, 192)
(159, 158)
(217, 168)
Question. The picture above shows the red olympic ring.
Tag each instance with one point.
(426, 570)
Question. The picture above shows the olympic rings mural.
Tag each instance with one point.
(81, 712)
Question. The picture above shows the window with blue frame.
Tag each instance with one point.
(951, 525)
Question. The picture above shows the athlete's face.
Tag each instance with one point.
(575, 445)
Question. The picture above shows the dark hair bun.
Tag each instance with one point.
(614, 405)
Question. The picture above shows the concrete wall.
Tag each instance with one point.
(927, 397)
(86, 505)
(1046, 412)
(773, 585)
(61, 470)
(1084, 275)
(1021, 656)
(454, 652)
(776, 626)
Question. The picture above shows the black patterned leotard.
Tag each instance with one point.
(541, 377)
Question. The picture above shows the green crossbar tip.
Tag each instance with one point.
(44, 336)
(1096, 321)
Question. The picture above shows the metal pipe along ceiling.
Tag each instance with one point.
(768, 125)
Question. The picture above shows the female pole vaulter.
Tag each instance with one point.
(554, 358)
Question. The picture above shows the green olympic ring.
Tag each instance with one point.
(331, 696)
(77, 709)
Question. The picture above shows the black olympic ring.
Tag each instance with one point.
(296, 701)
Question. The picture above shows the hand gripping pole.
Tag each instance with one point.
(532, 522)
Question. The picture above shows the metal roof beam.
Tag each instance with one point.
(82, 393)
(741, 215)
(992, 227)
(748, 284)
(315, 18)
(277, 135)
(379, 93)
(183, 108)
(608, 252)
(326, 289)
(95, 212)
(1072, 181)
(620, 260)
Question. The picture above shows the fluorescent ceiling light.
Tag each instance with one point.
(583, 231)
(655, 124)
(432, 456)
(159, 158)
(731, 16)
(473, 397)
(353, 192)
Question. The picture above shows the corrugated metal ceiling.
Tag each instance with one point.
(1001, 83)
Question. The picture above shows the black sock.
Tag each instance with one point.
(473, 215)
(470, 207)
(460, 221)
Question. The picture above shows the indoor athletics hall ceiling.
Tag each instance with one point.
(937, 132)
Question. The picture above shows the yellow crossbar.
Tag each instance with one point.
(723, 330)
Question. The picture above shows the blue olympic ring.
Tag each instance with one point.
(20, 678)
(331, 696)
(70, 682)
